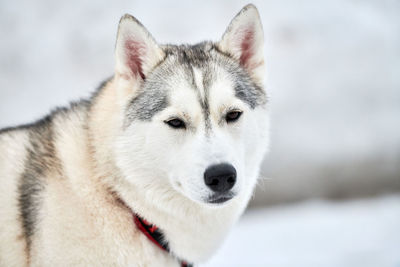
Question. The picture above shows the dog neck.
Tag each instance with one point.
(193, 231)
(155, 235)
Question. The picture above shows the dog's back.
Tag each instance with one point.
(28, 160)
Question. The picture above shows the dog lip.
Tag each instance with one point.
(220, 198)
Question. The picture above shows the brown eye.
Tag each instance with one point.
(176, 123)
(233, 116)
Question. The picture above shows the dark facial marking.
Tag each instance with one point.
(207, 77)
(249, 92)
(245, 88)
(144, 106)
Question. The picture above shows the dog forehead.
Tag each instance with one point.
(205, 66)
(191, 76)
(182, 90)
(207, 86)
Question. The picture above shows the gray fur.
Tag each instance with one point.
(30, 189)
(247, 90)
(149, 102)
(41, 159)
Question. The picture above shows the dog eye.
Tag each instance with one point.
(176, 123)
(233, 116)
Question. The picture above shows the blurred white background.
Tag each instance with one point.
(333, 79)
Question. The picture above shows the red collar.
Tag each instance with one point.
(154, 235)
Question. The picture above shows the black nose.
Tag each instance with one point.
(220, 178)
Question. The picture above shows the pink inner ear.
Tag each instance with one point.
(247, 47)
(134, 53)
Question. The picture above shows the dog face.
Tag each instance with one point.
(195, 119)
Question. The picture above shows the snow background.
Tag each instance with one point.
(361, 233)
(333, 78)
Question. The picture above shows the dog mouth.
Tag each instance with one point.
(220, 198)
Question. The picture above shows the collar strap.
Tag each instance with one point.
(155, 236)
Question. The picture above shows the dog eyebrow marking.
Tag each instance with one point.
(145, 105)
(152, 97)
(245, 88)
(249, 93)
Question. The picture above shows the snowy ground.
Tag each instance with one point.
(359, 233)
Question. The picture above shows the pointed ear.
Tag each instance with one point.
(244, 40)
(136, 51)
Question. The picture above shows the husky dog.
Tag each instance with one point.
(153, 170)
